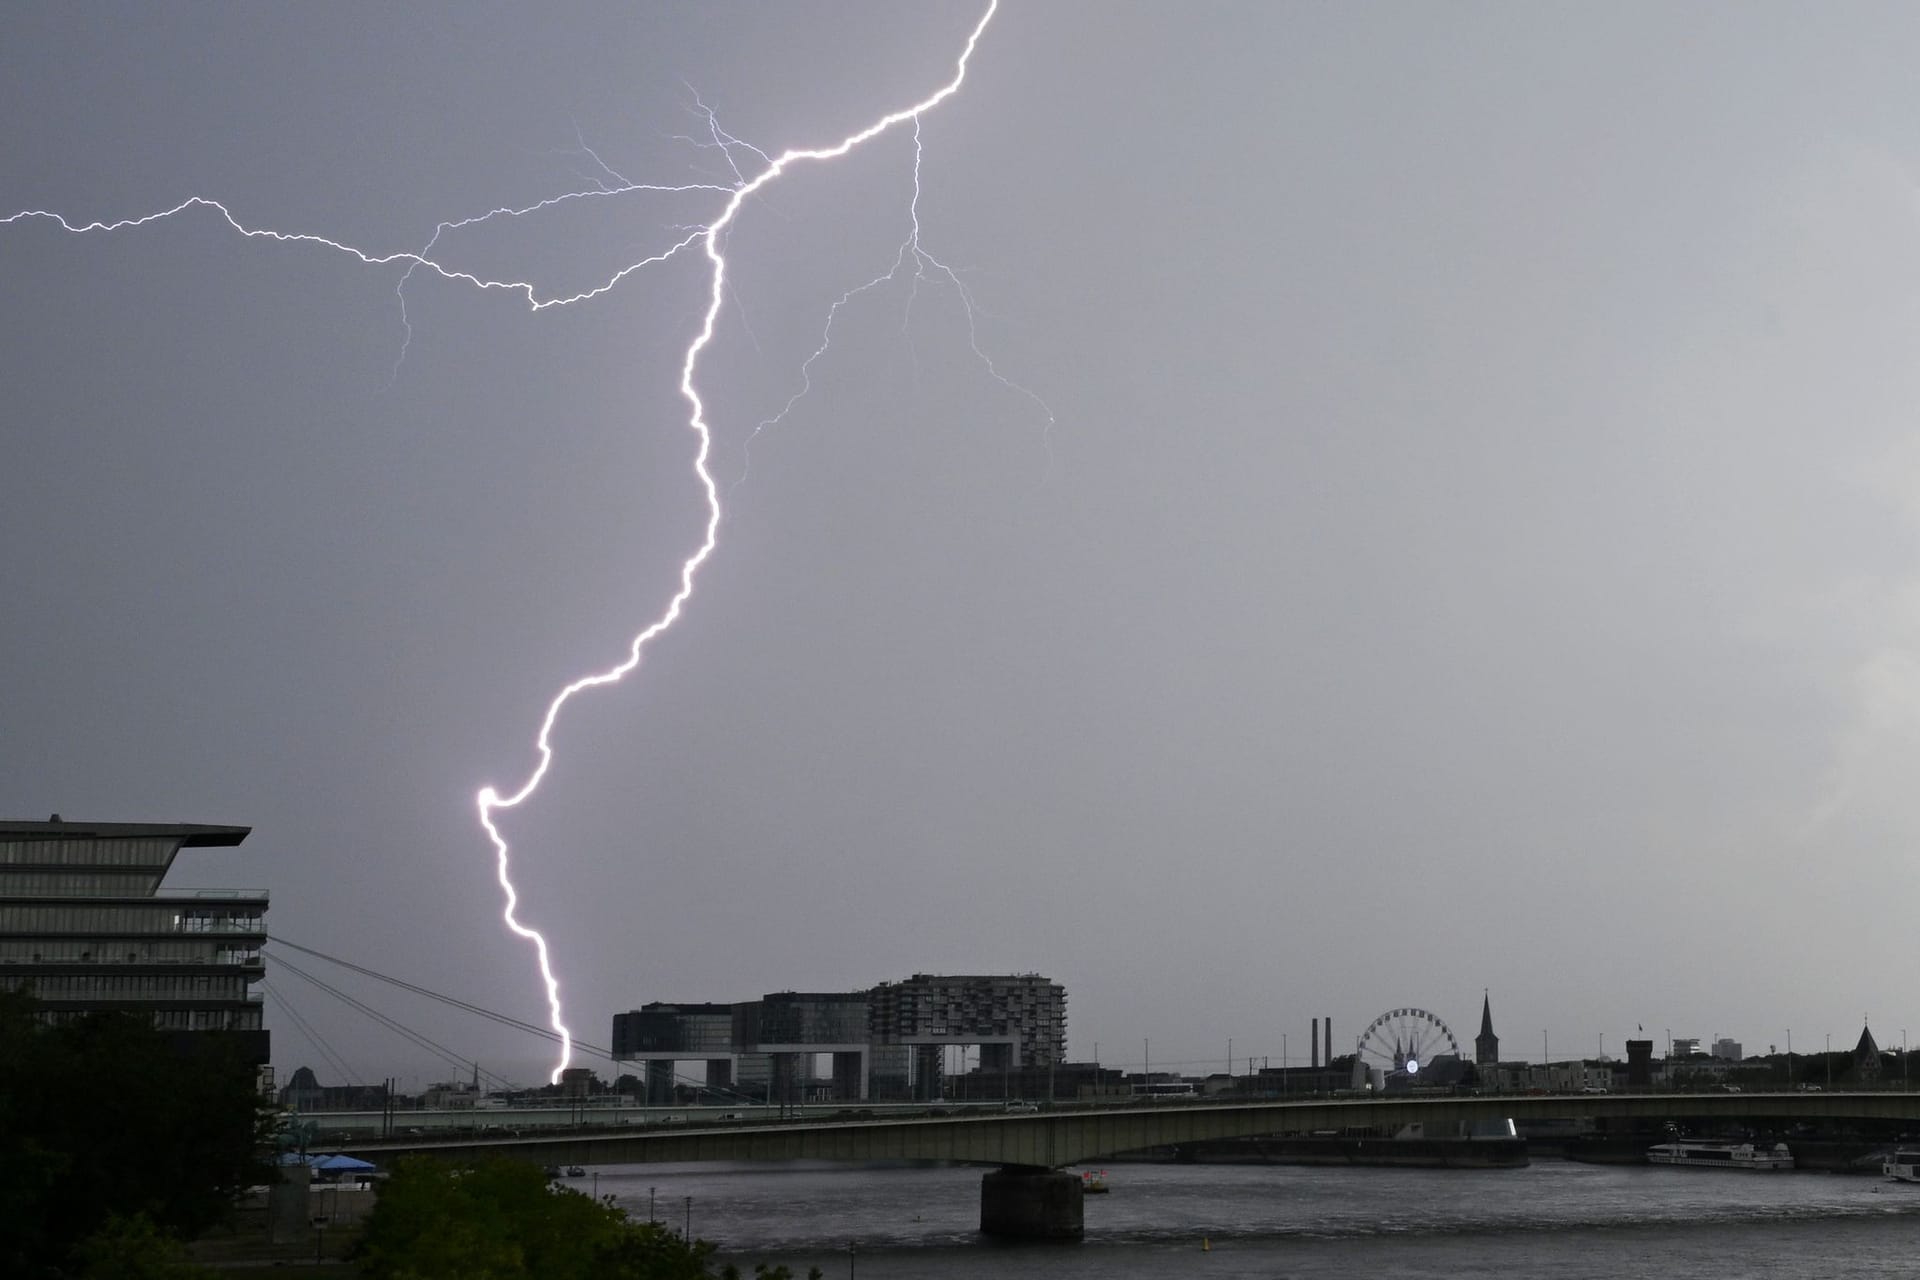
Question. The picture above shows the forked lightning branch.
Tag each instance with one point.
(707, 239)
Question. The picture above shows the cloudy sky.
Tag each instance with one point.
(1452, 524)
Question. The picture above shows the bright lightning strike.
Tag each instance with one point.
(491, 800)
(708, 237)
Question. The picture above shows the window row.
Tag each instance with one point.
(87, 853)
(118, 987)
(132, 917)
(208, 1020)
(177, 1019)
(122, 951)
(78, 884)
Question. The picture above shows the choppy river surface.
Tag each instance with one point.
(1553, 1219)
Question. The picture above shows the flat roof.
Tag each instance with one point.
(190, 834)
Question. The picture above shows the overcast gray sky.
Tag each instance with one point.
(1474, 546)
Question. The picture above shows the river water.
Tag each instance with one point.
(1554, 1218)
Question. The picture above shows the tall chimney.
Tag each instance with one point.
(1328, 1037)
(1313, 1030)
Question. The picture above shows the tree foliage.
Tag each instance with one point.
(500, 1219)
(133, 1249)
(105, 1116)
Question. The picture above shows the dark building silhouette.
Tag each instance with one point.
(1486, 1045)
(304, 1092)
(1866, 1059)
(1639, 1064)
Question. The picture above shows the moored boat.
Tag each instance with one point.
(1721, 1155)
(1902, 1165)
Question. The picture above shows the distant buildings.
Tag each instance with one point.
(85, 926)
(887, 1041)
(1728, 1050)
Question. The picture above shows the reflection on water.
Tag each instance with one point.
(1263, 1220)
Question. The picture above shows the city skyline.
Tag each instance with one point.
(1469, 540)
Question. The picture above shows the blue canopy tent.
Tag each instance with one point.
(339, 1164)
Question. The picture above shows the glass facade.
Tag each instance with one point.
(84, 926)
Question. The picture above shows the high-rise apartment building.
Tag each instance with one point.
(85, 926)
(1021, 1018)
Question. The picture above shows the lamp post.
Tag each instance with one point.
(650, 1217)
(689, 1235)
(1829, 1056)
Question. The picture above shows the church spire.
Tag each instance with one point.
(1486, 1045)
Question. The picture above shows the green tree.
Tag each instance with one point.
(133, 1249)
(104, 1116)
(502, 1219)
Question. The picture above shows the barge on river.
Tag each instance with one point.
(1721, 1155)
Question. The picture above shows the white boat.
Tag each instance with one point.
(1902, 1165)
(1721, 1155)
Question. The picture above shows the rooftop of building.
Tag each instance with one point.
(190, 834)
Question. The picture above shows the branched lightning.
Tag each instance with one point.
(927, 269)
(709, 237)
(489, 799)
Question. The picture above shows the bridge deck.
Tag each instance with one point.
(1073, 1135)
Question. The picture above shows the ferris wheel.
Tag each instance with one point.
(1405, 1040)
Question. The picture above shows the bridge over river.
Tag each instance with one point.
(1025, 1195)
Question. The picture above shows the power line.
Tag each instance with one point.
(318, 1041)
(468, 1006)
(394, 1025)
(529, 1028)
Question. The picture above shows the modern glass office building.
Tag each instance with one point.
(86, 926)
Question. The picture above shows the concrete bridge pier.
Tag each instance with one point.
(849, 1076)
(1020, 1202)
(659, 1083)
(927, 1068)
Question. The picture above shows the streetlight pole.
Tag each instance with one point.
(689, 1235)
(650, 1217)
(1829, 1062)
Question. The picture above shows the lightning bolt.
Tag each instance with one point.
(708, 239)
(926, 269)
(490, 800)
